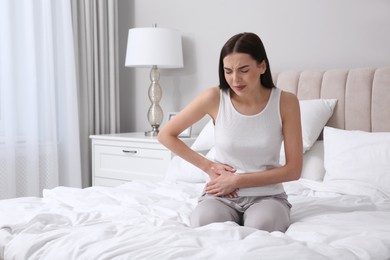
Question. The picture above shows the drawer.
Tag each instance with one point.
(129, 163)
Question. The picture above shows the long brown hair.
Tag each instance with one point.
(251, 44)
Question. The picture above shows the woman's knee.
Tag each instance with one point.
(267, 223)
(212, 211)
(268, 216)
(201, 217)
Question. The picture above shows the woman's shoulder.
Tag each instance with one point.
(208, 101)
(288, 97)
(289, 103)
(210, 94)
(212, 91)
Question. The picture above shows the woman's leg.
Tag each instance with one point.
(269, 215)
(212, 210)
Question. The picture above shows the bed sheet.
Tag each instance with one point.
(144, 220)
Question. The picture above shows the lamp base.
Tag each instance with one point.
(155, 113)
(151, 133)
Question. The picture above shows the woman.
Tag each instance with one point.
(252, 117)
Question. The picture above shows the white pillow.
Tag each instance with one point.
(205, 139)
(313, 162)
(357, 157)
(181, 170)
(315, 113)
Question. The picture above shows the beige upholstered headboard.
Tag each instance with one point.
(363, 95)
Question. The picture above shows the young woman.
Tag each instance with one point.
(252, 118)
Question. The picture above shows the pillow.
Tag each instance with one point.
(205, 139)
(313, 162)
(181, 170)
(315, 113)
(357, 157)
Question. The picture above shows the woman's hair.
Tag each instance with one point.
(251, 44)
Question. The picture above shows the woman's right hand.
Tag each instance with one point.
(216, 169)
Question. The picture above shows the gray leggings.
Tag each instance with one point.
(269, 213)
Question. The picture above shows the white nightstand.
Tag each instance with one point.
(119, 158)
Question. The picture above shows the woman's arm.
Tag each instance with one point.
(206, 103)
(292, 134)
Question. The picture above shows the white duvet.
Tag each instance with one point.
(143, 220)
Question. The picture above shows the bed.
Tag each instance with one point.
(341, 204)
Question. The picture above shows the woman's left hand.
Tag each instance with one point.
(223, 185)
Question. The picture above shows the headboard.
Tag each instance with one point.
(363, 95)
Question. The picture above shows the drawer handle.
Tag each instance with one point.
(127, 151)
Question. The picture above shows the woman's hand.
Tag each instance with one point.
(216, 169)
(222, 181)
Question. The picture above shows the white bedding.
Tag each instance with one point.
(143, 220)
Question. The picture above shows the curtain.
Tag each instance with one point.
(96, 39)
(39, 115)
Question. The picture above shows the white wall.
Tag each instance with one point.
(297, 34)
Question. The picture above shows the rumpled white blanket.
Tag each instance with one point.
(144, 220)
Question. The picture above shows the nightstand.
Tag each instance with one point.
(119, 158)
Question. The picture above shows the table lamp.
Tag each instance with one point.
(154, 48)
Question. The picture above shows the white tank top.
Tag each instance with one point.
(250, 143)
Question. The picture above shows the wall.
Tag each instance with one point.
(297, 34)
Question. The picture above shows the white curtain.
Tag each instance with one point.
(39, 124)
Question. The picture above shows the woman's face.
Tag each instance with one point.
(242, 72)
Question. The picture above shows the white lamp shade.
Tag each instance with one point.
(154, 46)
